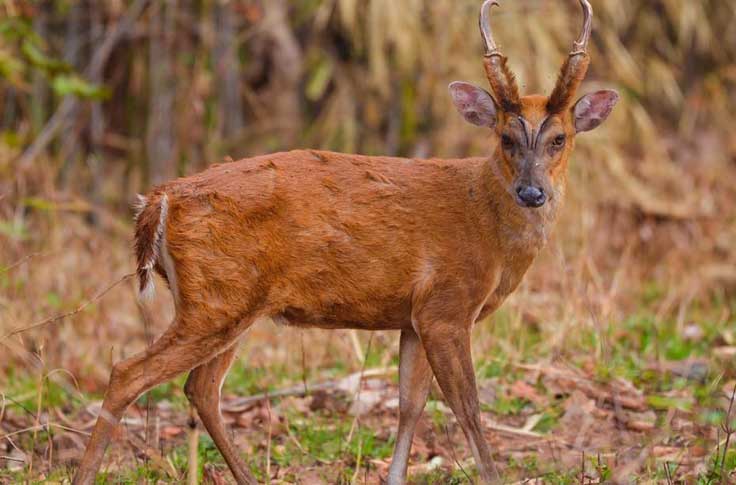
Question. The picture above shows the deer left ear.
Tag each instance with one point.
(593, 109)
(474, 104)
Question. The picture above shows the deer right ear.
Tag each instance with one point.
(474, 103)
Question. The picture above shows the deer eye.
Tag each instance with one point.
(558, 141)
(507, 142)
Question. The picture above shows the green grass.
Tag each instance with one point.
(631, 348)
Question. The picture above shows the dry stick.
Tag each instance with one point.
(451, 447)
(358, 460)
(94, 72)
(192, 474)
(356, 420)
(304, 362)
(149, 402)
(81, 307)
(26, 258)
(37, 424)
(2, 407)
(356, 398)
(40, 427)
(666, 466)
(728, 429)
(582, 468)
(268, 443)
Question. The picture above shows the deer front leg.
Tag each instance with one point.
(448, 350)
(415, 378)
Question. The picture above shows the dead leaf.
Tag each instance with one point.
(213, 476)
(523, 390)
(726, 352)
(635, 425)
(169, 432)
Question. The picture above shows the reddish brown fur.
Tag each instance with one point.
(568, 81)
(503, 83)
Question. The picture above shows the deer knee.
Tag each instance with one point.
(197, 390)
(122, 388)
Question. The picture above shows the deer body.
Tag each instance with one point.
(321, 239)
(330, 240)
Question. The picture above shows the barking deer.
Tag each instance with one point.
(319, 239)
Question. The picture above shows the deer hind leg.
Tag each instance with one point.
(448, 350)
(415, 378)
(203, 391)
(182, 347)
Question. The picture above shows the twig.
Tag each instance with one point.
(451, 447)
(666, 466)
(10, 458)
(358, 460)
(242, 403)
(81, 307)
(26, 258)
(39, 405)
(582, 468)
(192, 475)
(304, 363)
(356, 346)
(94, 71)
(43, 426)
(356, 398)
(150, 409)
(298, 444)
(728, 429)
(268, 443)
(156, 458)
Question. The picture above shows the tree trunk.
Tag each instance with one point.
(40, 97)
(97, 124)
(283, 92)
(162, 85)
(227, 70)
(70, 144)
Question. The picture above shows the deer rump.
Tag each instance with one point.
(317, 238)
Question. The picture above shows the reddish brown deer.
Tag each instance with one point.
(319, 239)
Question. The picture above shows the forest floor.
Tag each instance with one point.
(659, 419)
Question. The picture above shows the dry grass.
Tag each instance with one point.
(643, 254)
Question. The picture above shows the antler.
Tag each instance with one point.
(575, 67)
(581, 45)
(500, 77)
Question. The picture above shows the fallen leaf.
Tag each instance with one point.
(728, 352)
(523, 390)
(168, 432)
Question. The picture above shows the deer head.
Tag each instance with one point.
(534, 134)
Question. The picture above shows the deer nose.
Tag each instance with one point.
(531, 196)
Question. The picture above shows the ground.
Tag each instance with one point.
(653, 405)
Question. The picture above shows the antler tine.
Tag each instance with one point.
(581, 45)
(485, 28)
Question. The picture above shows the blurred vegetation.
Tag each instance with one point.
(91, 113)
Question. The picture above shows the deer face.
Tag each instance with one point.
(534, 134)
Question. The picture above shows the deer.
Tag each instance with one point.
(312, 238)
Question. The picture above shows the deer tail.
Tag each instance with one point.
(150, 233)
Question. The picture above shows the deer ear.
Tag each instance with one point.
(593, 109)
(474, 103)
